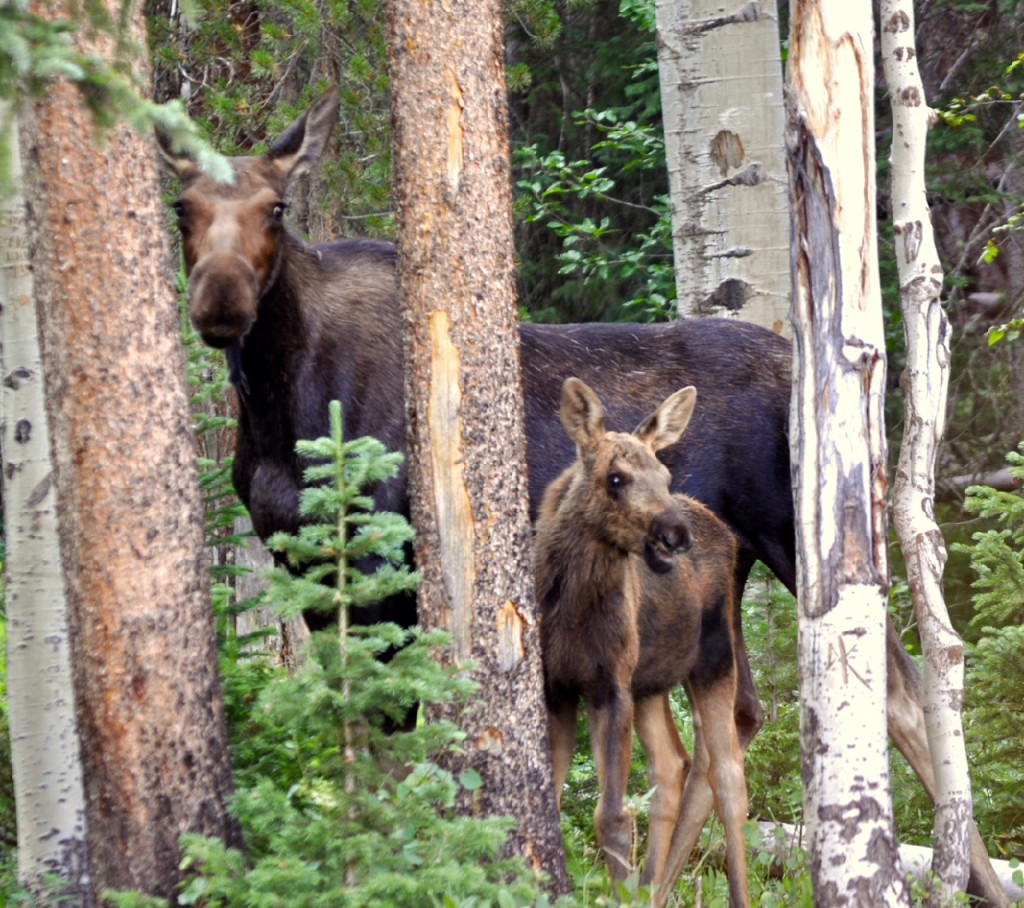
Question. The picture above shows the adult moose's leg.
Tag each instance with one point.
(749, 713)
(668, 766)
(611, 738)
(908, 733)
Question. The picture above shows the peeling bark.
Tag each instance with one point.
(466, 442)
(838, 449)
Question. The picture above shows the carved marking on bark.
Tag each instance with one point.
(510, 636)
(453, 120)
(841, 655)
(451, 498)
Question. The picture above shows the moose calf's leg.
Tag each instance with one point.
(562, 740)
(698, 802)
(728, 780)
(611, 738)
(668, 765)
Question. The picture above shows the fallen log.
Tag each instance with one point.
(781, 839)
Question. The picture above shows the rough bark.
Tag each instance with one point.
(466, 441)
(838, 447)
(925, 384)
(153, 735)
(49, 799)
(721, 90)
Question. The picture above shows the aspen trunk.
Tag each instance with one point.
(925, 383)
(49, 799)
(838, 447)
(466, 441)
(153, 735)
(721, 91)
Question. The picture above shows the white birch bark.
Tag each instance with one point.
(925, 383)
(838, 449)
(45, 752)
(724, 116)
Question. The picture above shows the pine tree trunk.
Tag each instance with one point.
(838, 445)
(721, 95)
(48, 794)
(925, 383)
(466, 441)
(153, 735)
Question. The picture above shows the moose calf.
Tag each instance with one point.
(636, 596)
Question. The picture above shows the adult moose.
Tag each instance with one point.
(304, 324)
(635, 587)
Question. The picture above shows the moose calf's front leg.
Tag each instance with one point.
(611, 733)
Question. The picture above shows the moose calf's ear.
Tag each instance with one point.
(582, 413)
(666, 425)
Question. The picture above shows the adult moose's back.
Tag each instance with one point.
(304, 324)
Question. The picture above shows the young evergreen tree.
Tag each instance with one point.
(995, 672)
(335, 810)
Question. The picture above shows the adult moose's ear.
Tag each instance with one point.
(302, 143)
(666, 425)
(179, 163)
(582, 414)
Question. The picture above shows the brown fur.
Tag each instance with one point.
(635, 587)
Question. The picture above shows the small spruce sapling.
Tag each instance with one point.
(328, 819)
(995, 672)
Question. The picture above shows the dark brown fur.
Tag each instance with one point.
(636, 590)
(303, 325)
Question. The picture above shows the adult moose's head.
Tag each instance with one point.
(232, 232)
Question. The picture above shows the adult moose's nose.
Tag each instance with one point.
(223, 290)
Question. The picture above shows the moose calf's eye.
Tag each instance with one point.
(615, 484)
(277, 213)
